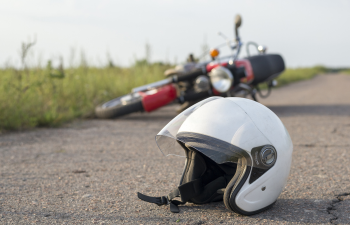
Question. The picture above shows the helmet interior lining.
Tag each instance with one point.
(214, 176)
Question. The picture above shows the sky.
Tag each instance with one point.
(305, 33)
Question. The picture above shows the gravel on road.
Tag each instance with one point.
(88, 171)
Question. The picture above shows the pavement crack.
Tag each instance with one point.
(332, 207)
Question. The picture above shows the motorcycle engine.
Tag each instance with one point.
(201, 83)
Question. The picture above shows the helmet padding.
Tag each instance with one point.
(213, 176)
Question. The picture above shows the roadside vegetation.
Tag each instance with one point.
(297, 74)
(37, 96)
(47, 97)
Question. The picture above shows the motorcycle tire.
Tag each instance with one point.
(119, 107)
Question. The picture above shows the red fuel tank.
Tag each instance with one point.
(156, 98)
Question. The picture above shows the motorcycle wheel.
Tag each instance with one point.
(120, 106)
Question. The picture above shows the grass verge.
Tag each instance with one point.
(292, 75)
(48, 97)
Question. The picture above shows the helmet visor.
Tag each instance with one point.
(219, 151)
(166, 138)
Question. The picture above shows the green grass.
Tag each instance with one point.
(345, 71)
(292, 75)
(49, 97)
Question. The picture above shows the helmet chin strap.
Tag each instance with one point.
(185, 192)
(164, 200)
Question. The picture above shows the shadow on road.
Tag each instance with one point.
(148, 117)
(306, 110)
(168, 114)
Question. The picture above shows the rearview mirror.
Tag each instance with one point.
(238, 21)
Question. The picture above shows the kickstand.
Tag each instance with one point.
(253, 94)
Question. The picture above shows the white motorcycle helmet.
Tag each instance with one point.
(236, 150)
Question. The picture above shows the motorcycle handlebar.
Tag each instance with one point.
(196, 96)
(190, 75)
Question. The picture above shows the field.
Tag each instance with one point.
(35, 97)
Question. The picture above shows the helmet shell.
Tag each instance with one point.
(247, 124)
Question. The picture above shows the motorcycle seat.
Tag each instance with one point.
(266, 67)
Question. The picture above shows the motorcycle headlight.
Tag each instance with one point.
(221, 79)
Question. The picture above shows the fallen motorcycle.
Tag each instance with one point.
(187, 84)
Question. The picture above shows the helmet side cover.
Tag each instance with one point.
(247, 124)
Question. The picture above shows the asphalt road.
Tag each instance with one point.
(88, 172)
